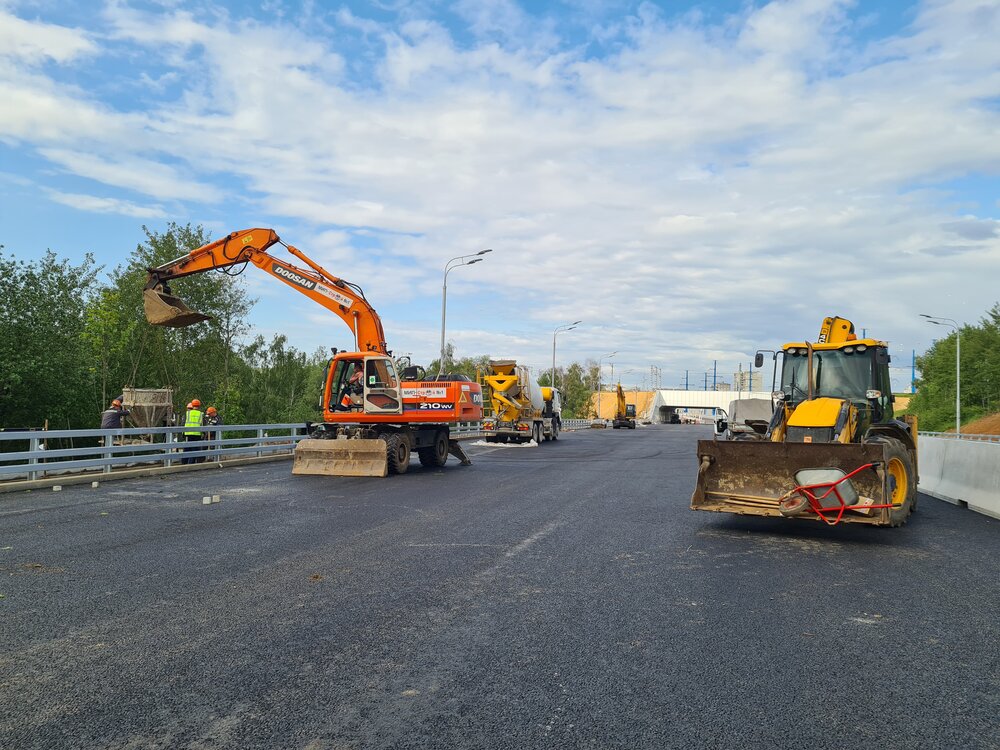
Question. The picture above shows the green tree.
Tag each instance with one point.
(280, 383)
(468, 366)
(45, 372)
(197, 361)
(934, 402)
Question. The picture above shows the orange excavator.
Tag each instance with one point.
(372, 418)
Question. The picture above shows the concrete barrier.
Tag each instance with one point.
(964, 472)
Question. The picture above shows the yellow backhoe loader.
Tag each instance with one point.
(833, 450)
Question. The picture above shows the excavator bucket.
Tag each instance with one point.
(760, 478)
(166, 310)
(341, 458)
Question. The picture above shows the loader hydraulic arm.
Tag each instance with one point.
(342, 298)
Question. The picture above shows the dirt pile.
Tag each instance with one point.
(989, 425)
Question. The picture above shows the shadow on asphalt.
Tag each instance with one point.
(845, 533)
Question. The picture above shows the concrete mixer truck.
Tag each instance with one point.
(520, 409)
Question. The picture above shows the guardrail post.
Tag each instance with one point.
(168, 439)
(33, 445)
(109, 441)
(260, 437)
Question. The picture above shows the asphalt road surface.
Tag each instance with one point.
(561, 596)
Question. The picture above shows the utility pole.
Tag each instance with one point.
(687, 387)
(715, 367)
(913, 373)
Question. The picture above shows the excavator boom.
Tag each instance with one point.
(342, 298)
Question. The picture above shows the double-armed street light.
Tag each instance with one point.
(559, 329)
(949, 323)
(444, 292)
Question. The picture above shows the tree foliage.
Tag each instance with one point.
(71, 343)
(45, 367)
(934, 402)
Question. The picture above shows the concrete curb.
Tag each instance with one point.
(149, 471)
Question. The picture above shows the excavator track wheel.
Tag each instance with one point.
(437, 454)
(397, 452)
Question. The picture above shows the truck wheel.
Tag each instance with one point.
(902, 487)
(536, 431)
(437, 454)
(397, 451)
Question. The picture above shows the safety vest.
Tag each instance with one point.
(193, 419)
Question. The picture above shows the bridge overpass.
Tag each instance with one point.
(668, 400)
(558, 596)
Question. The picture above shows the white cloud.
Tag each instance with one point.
(134, 173)
(100, 205)
(746, 178)
(33, 41)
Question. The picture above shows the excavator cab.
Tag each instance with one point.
(361, 384)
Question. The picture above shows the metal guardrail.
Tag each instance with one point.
(963, 436)
(137, 446)
(104, 450)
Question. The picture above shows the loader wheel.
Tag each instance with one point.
(437, 454)
(902, 489)
(397, 451)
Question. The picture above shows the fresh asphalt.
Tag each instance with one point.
(561, 596)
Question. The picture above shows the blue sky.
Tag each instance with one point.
(692, 180)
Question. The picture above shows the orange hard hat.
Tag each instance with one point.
(211, 410)
(116, 402)
(195, 402)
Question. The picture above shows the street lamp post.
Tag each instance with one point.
(559, 329)
(597, 406)
(949, 323)
(444, 292)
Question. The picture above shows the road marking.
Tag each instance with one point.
(543, 532)
(454, 544)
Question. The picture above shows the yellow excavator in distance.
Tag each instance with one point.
(833, 450)
(624, 413)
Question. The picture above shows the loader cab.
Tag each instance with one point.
(855, 371)
(359, 384)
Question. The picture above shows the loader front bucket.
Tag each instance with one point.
(751, 478)
(341, 458)
(166, 310)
